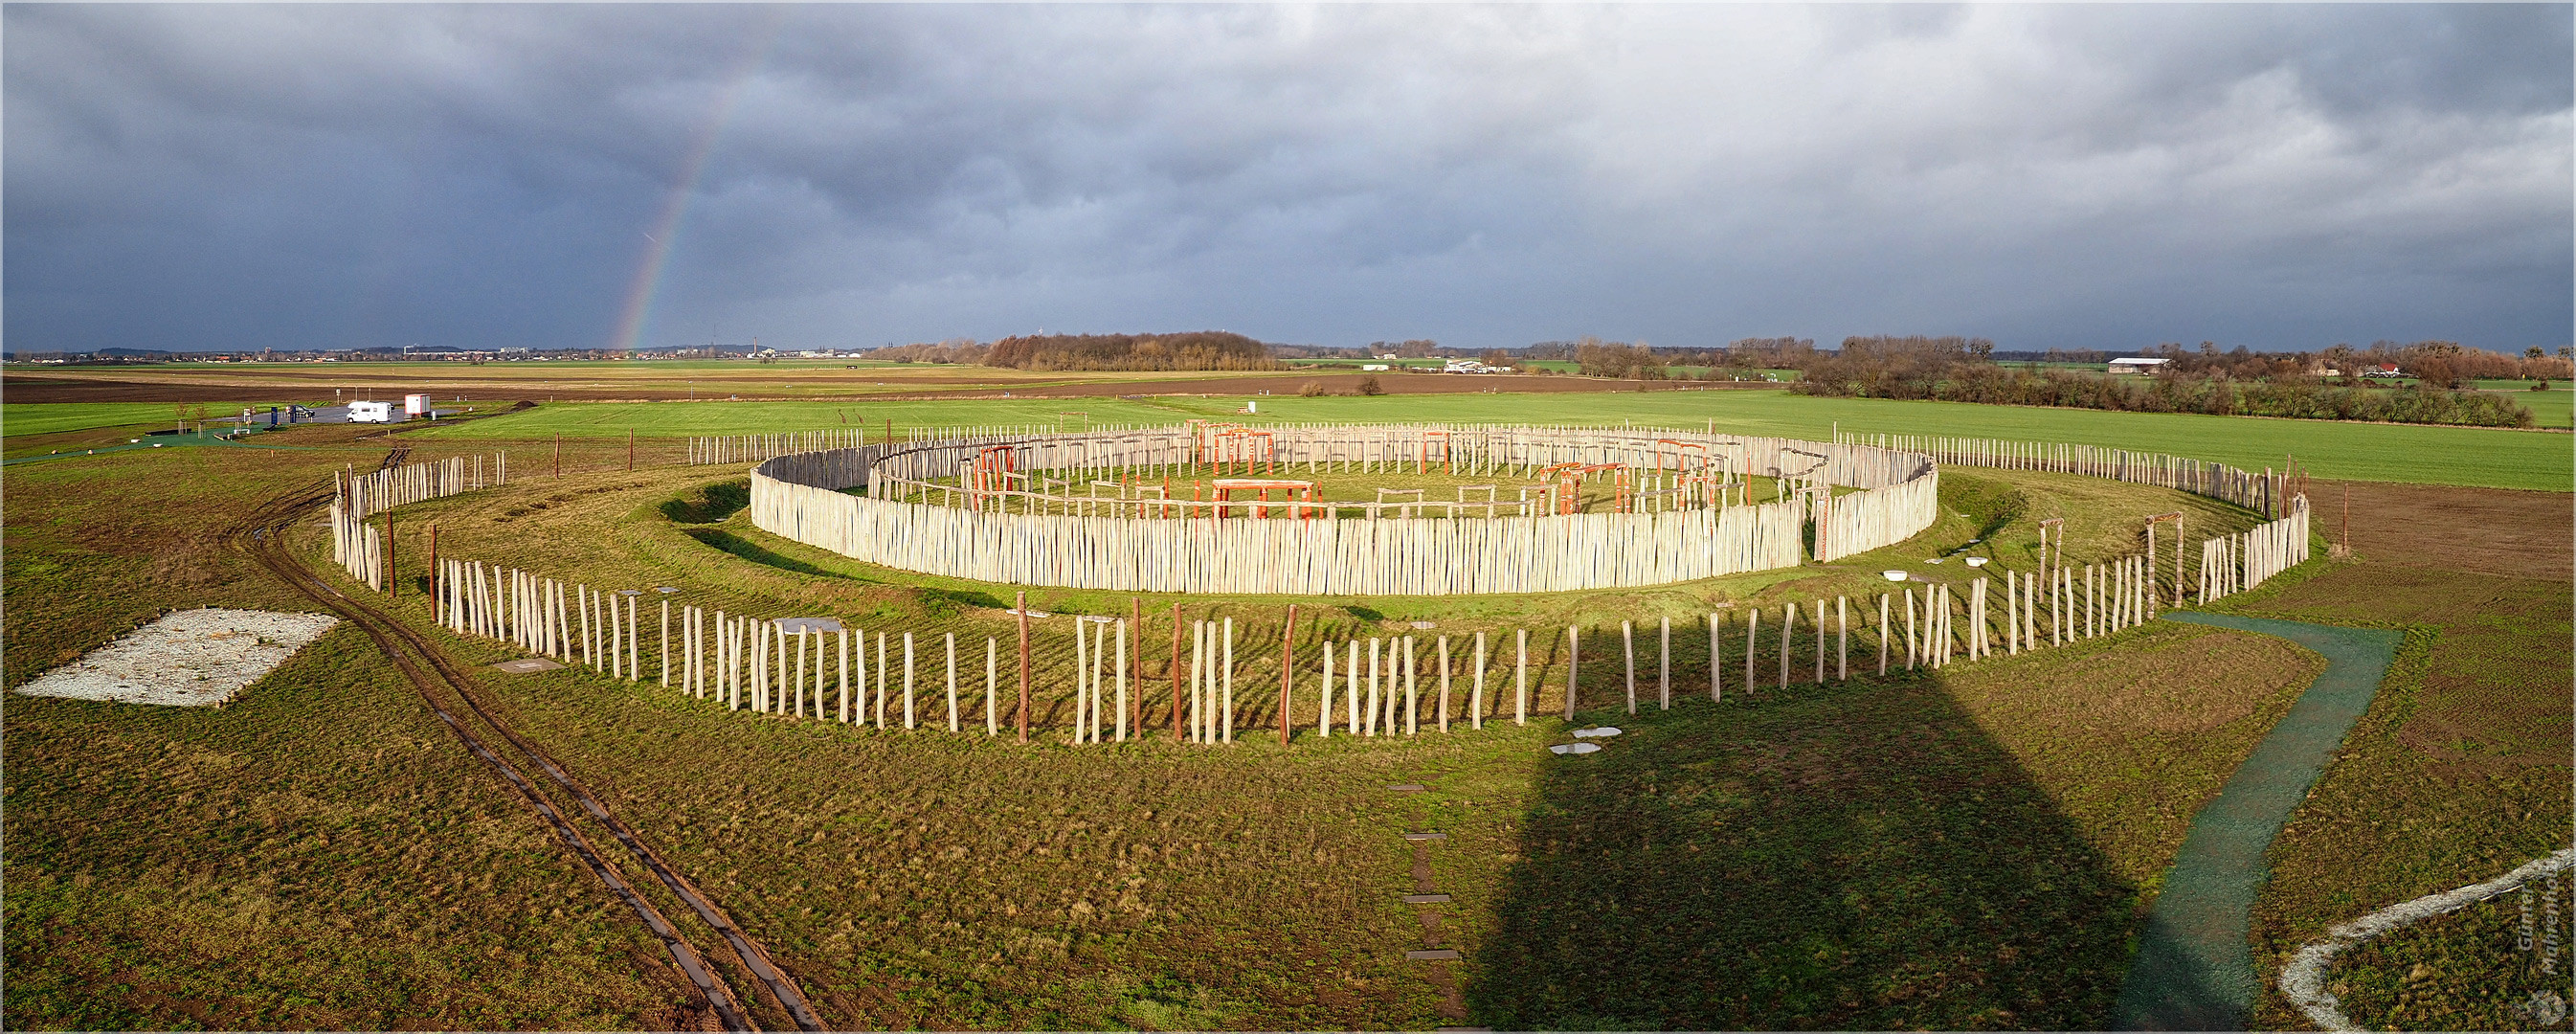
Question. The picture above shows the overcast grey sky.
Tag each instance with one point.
(222, 176)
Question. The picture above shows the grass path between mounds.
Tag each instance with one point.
(2193, 969)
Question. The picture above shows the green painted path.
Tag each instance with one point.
(2194, 970)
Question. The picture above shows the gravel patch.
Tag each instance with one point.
(188, 658)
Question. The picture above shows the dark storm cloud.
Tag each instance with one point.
(2281, 176)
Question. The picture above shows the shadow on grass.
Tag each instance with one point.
(1859, 857)
(741, 547)
(709, 504)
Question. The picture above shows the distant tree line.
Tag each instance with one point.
(1196, 350)
(953, 350)
(1640, 361)
(2445, 364)
(2235, 383)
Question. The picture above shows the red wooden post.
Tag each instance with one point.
(558, 454)
(1287, 670)
(630, 450)
(1024, 667)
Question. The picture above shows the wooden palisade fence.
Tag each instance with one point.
(2265, 493)
(1368, 685)
(1123, 548)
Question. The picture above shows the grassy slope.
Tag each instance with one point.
(2371, 452)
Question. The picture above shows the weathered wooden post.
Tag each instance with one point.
(1369, 714)
(1788, 621)
(1664, 657)
(1520, 678)
(1177, 671)
(1820, 642)
(2030, 612)
(1082, 665)
(1573, 668)
(1842, 638)
(1411, 710)
(1228, 710)
(1023, 611)
(952, 682)
(1716, 659)
(1476, 698)
(665, 666)
(1882, 635)
(2012, 614)
(1628, 656)
(1351, 687)
(1287, 668)
(1324, 696)
(1752, 632)
(1121, 669)
(1913, 638)
(761, 663)
(992, 685)
(795, 697)
(722, 649)
(391, 579)
(907, 682)
(844, 710)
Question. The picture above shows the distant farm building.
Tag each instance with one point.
(2138, 367)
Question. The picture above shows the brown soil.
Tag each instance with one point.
(2497, 531)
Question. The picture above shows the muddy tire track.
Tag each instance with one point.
(437, 677)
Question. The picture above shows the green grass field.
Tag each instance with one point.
(29, 419)
(2368, 452)
(1968, 849)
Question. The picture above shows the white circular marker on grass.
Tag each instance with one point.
(1596, 732)
(1574, 748)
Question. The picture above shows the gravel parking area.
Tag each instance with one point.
(190, 658)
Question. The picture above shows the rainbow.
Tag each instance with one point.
(638, 307)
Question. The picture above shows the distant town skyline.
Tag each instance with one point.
(227, 178)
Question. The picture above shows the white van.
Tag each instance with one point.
(373, 413)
